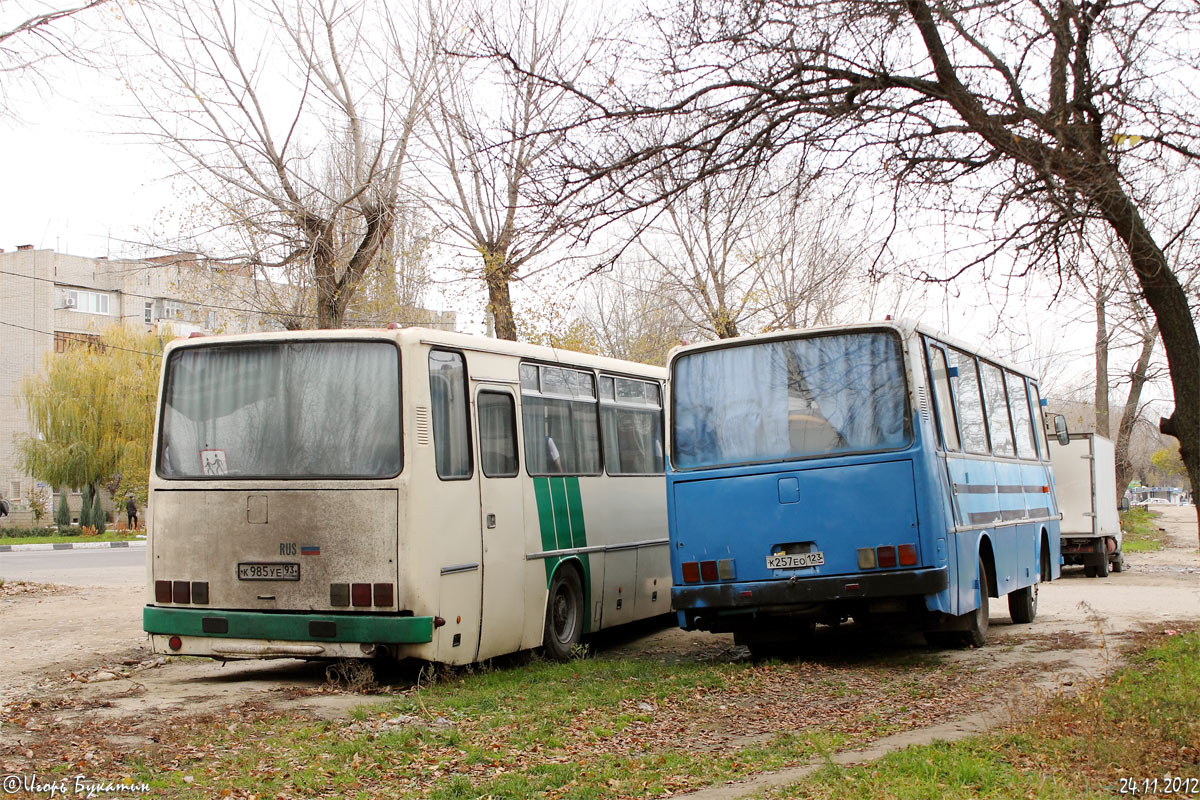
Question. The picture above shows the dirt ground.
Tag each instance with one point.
(80, 651)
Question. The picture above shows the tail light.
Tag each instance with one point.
(885, 556)
(708, 571)
(908, 555)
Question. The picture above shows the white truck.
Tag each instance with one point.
(1086, 483)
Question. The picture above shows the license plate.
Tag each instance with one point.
(795, 560)
(268, 572)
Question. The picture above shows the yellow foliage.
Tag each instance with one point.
(92, 410)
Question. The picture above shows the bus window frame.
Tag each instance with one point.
(1024, 382)
(987, 411)
(614, 403)
(165, 392)
(516, 436)
(911, 435)
(932, 345)
(595, 400)
(1039, 420)
(466, 376)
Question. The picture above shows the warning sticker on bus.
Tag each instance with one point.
(795, 560)
(283, 571)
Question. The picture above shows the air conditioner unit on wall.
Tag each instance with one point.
(68, 302)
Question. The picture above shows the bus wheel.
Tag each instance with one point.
(564, 615)
(977, 620)
(1022, 604)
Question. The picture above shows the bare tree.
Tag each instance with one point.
(250, 99)
(630, 317)
(32, 32)
(492, 129)
(1053, 118)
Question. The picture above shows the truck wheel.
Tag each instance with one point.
(1102, 567)
(1118, 564)
(1089, 570)
(1022, 604)
(564, 615)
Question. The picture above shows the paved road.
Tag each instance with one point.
(101, 567)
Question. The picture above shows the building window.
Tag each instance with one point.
(87, 302)
(172, 309)
(64, 341)
(148, 315)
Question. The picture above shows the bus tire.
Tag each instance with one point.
(977, 621)
(1022, 604)
(564, 615)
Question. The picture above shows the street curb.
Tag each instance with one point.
(15, 548)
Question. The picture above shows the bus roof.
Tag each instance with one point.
(406, 337)
(904, 328)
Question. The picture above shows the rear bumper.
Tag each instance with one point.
(250, 634)
(781, 593)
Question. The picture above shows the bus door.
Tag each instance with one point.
(502, 521)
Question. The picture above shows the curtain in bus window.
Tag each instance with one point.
(561, 436)
(970, 403)
(789, 399)
(448, 406)
(997, 410)
(1018, 403)
(497, 435)
(293, 409)
(632, 442)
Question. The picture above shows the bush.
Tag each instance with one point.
(99, 518)
(85, 508)
(17, 533)
(62, 515)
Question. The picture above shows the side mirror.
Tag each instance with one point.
(1060, 430)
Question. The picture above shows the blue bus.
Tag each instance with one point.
(877, 471)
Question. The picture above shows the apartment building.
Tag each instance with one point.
(50, 301)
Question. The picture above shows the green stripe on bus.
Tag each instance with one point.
(541, 491)
(575, 513)
(370, 628)
(560, 520)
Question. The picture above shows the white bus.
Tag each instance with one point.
(402, 493)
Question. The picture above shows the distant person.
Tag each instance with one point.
(131, 512)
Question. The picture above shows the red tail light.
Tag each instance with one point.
(181, 592)
(908, 555)
(708, 570)
(383, 594)
(360, 594)
(885, 556)
(691, 572)
(162, 591)
(174, 643)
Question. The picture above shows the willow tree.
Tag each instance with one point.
(92, 413)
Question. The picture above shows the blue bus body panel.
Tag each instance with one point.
(837, 509)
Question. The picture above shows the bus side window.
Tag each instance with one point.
(497, 434)
(940, 382)
(560, 417)
(970, 403)
(1039, 424)
(1018, 403)
(448, 404)
(996, 405)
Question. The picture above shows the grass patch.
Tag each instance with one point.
(52, 536)
(1142, 722)
(604, 727)
(1140, 531)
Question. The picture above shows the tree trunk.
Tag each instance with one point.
(1102, 426)
(1166, 297)
(1137, 379)
(497, 275)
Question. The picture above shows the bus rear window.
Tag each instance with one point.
(789, 399)
(282, 410)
